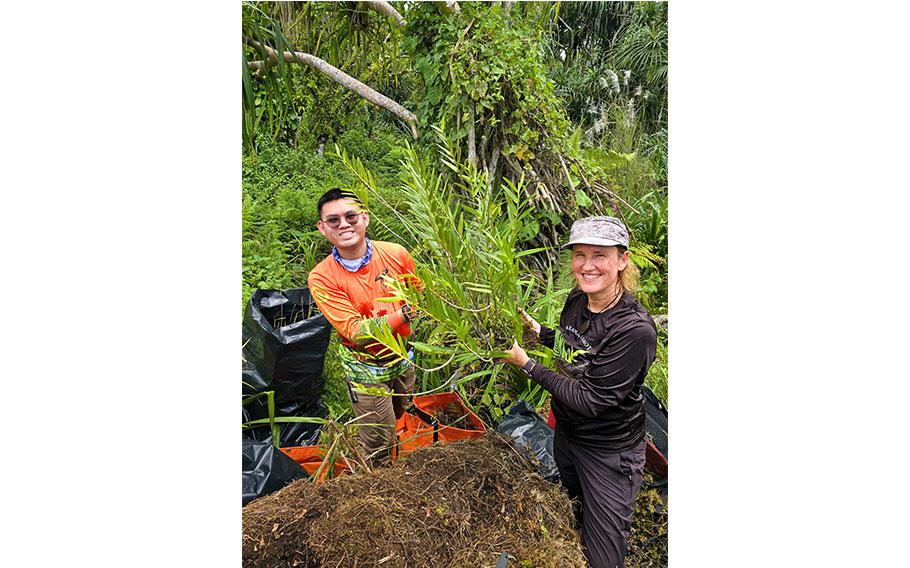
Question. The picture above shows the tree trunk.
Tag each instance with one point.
(472, 150)
(494, 163)
(482, 153)
(339, 77)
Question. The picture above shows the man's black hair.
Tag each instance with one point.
(333, 194)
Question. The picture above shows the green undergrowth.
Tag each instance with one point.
(281, 185)
(335, 395)
(658, 374)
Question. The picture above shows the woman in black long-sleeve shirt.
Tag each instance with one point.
(597, 399)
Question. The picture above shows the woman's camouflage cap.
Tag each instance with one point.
(599, 231)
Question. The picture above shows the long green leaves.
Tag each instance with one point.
(465, 235)
(271, 420)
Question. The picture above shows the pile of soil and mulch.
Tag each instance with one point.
(458, 504)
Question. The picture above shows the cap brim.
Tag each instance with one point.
(595, 241)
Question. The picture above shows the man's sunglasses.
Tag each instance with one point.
(334, 220)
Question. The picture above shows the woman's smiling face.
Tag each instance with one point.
(596, 268)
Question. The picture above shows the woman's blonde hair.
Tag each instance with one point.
(629, 275)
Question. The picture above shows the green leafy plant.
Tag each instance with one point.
(273, 425)
(468, 261)
(658, 374)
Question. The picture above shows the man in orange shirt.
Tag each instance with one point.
(345, 286)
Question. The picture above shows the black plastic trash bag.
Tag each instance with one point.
(529, 430)
(656, 427)
(284, 344)
(656, 421)
(266, 469)
(291, 433)
(657, 449)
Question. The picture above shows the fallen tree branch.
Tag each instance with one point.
(258, 67)
(385, 9)
(336, 75)
(449, 7)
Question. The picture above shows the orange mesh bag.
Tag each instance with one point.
(311, 457)
(412, 433)
(448, 408)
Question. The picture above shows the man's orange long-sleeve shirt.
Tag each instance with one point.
(348, 298)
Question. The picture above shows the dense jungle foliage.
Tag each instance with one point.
(528, 116)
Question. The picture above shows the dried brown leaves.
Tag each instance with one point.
(458, 504)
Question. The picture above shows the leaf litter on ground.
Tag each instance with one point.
(458, 504)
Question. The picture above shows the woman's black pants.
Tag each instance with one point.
(605, 483)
